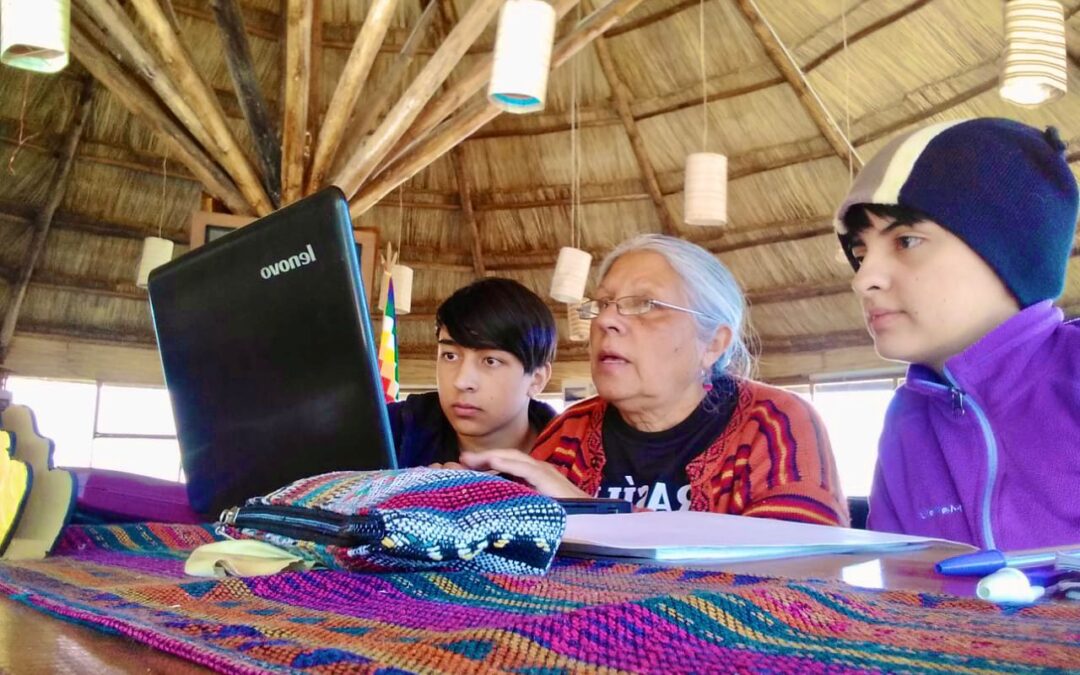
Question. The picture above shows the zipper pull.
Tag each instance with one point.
(228, 516)
(957, 401)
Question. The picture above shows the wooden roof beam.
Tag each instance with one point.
(297, 76)
(142, 104)
(468, 215)
(869, 29)
(76, 223)
(362, 163)
(457, 159)
(96, 152)
(249, 96)
(462, 125)
(225, 149)
(723, 86)
(463, 89)
(57, 186)
(650, 19)
(349, 87)
(88, 334)
(621, 99)
(425, 311)
(856, 337)
(795, 77)
(364, 119)
(60, 282)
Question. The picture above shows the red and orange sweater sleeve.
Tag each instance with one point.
(572, 443)
(775, 461)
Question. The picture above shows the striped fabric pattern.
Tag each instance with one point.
(772, 461)
(428, 519)
(388, 347)
(1004, 188)
(882, 179)
(582, 617)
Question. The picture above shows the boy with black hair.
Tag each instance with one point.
(497, 340)
(960, 234)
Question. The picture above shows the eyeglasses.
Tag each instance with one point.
(631, 305)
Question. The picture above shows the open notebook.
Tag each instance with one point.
(694, 535)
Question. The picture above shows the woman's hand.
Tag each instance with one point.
(543, 477)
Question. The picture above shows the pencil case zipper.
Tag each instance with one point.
(297, 522)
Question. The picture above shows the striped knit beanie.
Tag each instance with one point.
(1002, 187)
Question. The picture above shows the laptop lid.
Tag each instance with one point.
(269, 356)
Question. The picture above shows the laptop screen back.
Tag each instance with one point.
(269, 356)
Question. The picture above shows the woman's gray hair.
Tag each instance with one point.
(710, 288)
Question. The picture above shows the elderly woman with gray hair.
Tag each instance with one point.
(676, 423)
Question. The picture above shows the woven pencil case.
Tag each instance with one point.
(406, 520)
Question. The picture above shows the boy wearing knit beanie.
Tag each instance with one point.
(960, 234)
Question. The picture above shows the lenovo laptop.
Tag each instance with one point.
(269, 356)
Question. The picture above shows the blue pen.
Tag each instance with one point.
(982, 563)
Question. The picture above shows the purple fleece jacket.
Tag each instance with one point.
(989, 454)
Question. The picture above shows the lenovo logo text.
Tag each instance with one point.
(288, 264)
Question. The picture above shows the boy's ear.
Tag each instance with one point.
(539, 379)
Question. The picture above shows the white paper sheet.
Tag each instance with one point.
(695, 535)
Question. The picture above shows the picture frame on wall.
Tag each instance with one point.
(207, 226)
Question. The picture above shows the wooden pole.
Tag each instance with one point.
(784, 62)
(57, 187)
(203, 102)
(360, 166)
(469, 83)
(108, 26)
(621, 96)
(315, 106)
(464, 124)
(264, 132)
(142, 104)
(297, 75)
(365, 118)
(467, 213)
(349, 87)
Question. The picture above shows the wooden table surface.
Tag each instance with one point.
(32, 642)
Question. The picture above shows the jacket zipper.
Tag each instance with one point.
(990, 442)
(322, 527)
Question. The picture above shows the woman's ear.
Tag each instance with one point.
(716, 347)
(539, 379)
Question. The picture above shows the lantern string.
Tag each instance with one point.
(704, 92)
(23, 138)
(164, 179)
(847, 89)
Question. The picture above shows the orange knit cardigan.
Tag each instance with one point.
(773, 459)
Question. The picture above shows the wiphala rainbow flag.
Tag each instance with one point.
(583, 616)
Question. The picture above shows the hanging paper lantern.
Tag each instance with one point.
(522, 60)
(571, 275)
(1035, 65)
(34, 34)
(155, 253)
(577, 328)
(403, 277)
(705, 190)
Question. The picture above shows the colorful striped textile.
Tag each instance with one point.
(583, 616)
(407, 520)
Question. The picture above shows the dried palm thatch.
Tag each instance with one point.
(242, 104)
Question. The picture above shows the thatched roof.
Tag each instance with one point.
(495, 200)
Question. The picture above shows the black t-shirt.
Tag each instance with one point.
(648, 469)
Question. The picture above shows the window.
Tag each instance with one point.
(854, 415)
(104, 426)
